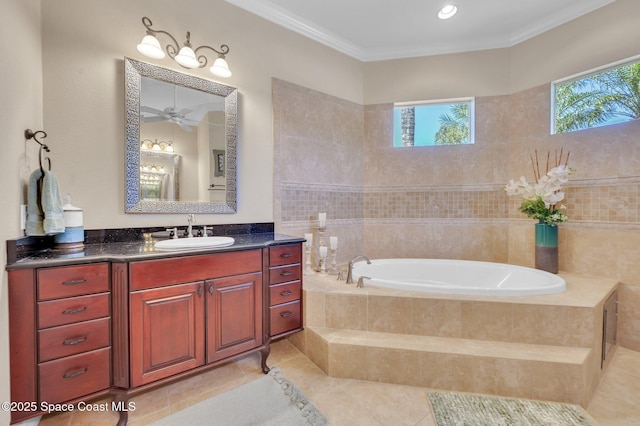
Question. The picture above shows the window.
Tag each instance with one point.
(598, 98)
(446, 122)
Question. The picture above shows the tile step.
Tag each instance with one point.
(456, 346)
(522, 370)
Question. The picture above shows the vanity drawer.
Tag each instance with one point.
(285, 317)
(283, 293)
(281, 274)
(162, 272)
(285, 254)
(73, 309)
(72, 339)
(66, 281)
(72, 377)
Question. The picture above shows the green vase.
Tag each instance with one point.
(546, 247)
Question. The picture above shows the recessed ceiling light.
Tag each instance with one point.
(447, 11)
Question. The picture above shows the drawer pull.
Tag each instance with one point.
(70, 342)
(286, 255)
(74, 311)
(285, 273)
(286, 314)
(74, 282)
(75, 373)
(286, 293)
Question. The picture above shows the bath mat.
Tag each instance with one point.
(270, 400)
(461, 409)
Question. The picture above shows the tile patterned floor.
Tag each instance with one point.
(350, 402)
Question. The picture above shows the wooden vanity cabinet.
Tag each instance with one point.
(285, 289)
(59, 334)
(82, 331)
(189, 311)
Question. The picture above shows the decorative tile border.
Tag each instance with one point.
(598, 200)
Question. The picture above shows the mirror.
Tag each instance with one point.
(180, 153)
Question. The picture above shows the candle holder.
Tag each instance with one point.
(322, 263)
(334, 266)
(321, 243)
(307, 269)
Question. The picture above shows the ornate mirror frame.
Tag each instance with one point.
(134, 71)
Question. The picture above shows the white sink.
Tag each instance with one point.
(195, 242)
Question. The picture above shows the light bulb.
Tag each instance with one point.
(150, 47)
(220, 68)
(187, 57)
(447, 11)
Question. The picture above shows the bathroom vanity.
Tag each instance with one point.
(121, 318)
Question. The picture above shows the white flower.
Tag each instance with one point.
(560, 173)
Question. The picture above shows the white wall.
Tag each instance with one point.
(20, 108)
(84, 43)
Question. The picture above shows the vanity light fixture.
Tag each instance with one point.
(447, 11)
(186, 56)
(149, 145)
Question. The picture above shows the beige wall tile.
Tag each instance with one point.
(346, 311)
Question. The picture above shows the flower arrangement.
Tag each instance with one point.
(541, 200)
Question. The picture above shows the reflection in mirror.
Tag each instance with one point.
(181, 142)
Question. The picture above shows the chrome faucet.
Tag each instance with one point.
(191, 218)
(350, 270)
(361, 281)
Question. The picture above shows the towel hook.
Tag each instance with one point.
(30, 134)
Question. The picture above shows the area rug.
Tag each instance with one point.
(461, 409)
(271, 400)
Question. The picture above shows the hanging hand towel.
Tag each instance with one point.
(51, 205)
(35, 215)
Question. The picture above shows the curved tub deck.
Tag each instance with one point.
(458, 277)
(538, 346)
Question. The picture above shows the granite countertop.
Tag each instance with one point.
(102, 246)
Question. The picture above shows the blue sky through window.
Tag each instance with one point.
(427, 123)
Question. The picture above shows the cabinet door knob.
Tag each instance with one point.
(74, 311)
(285, 273)
(286, 314)
(68, 375)
(200, 291)
(211, 289)
(286, 293)
(69, 342)
(286, 255)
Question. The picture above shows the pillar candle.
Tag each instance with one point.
(309, 238)
(322, 218)
(323, 251)
(333, 243)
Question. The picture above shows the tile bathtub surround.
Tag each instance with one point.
(536, 346)
(448, 202)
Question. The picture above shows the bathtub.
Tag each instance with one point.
(458, 277)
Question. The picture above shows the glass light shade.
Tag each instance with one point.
(447, 11)
(187, 58)
(220, 68)
(150, 47)
(156, 147)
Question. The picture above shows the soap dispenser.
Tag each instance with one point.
(73, 236)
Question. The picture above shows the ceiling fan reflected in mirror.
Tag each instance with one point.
(169, 114)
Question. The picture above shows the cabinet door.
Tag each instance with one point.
(167, 331)
(234, 315)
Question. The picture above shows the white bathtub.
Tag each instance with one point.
(458, 277)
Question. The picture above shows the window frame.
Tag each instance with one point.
(580, 76)
(449, 101)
